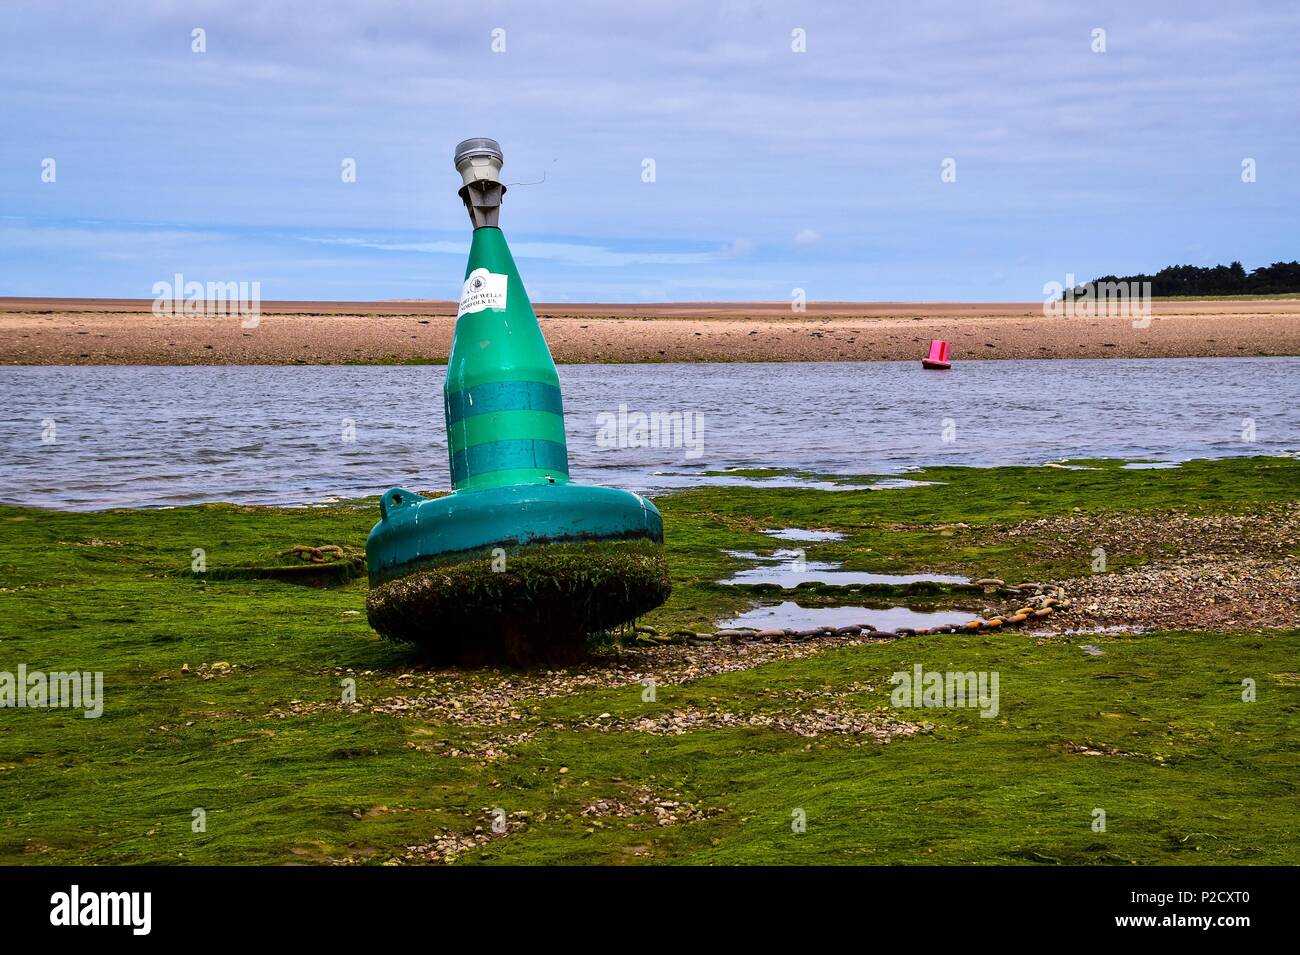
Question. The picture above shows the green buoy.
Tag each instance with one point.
(517, 565)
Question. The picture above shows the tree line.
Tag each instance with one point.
(1276, 279)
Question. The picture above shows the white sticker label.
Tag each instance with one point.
(483, 289)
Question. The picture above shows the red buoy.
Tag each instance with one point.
(938, 357)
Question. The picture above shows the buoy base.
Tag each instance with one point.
(518, 575)
(937, 365)
(415, 530)
(535, 605)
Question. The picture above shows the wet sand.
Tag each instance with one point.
(36, 331)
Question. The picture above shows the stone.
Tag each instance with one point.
(771, 634)
(989, 582)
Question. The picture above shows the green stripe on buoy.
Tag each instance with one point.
(548, 458)
(503, 396)
(506, 426)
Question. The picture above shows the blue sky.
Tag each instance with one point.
(774, 169)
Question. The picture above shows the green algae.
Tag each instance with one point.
(1187, 771)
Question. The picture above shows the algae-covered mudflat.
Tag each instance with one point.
(251, 720)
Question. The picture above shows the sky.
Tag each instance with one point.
(774, 169)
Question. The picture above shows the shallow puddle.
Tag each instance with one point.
(670, 480)
(891, 484)
(799, 534)
(790, 616)
(788, 569)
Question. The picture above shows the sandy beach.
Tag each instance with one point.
(36, 331)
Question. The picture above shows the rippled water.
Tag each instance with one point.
(158, 436)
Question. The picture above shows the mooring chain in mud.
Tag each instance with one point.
(1044, 601)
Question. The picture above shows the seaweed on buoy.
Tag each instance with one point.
(539, 607)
